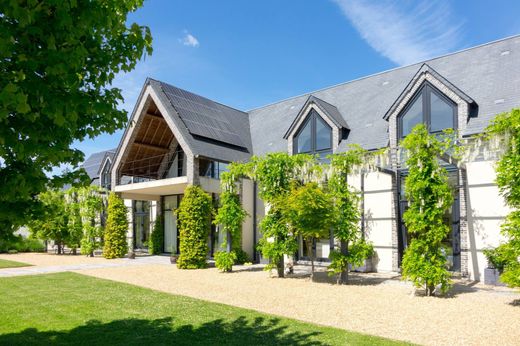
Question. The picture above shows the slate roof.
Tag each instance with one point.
(329, 110)
(489, 74)
(93, 163)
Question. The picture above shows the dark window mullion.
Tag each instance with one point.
(426, 107)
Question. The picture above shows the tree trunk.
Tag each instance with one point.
(343, 277)
(429, 290)
(60, 249)
(280, 268)
(74, 251)
(310, 253)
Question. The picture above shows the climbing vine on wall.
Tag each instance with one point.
(430, 196)
(354, 249)
(92, 202)
(506, 126)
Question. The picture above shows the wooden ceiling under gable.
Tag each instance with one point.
(149, 146)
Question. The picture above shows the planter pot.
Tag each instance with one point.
(367, 267)
(173, 259)
(492, 277)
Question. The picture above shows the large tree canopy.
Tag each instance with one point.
(57, 62)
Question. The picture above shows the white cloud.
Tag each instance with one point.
(405, 32)
(189, 40)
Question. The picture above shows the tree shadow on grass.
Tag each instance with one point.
(241, 331)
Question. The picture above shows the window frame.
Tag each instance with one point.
(312, 117)
(426, 90)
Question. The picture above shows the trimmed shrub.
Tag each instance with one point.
(156, 242)
(241, 256)
(116, 244)
(194, 217)
(224, 260)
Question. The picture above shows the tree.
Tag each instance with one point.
(346, 215)
(52, 223)
(307, 210)
(274, 173)
(507, 255)
(58, 60)
(75, 225)
(430, 196)
(194, 219)
(116, 245)
(92, 204)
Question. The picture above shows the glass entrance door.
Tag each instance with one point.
(171, 234)
(451, 217)
(141, 224)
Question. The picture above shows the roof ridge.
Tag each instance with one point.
(191, 92)
(386, 71)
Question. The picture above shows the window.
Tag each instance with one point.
(105, 176)
(212, 169)
(315, 136)
(431, 107)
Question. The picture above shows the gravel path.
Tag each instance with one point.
(374, 304)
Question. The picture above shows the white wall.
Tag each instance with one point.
(248, 195)
(378, 216)
(486, 211)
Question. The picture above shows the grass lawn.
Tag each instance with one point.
(73, 309)
(12, 264)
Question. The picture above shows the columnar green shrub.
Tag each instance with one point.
(346, 215)
(116, 245)
(429, 196)
(194, 217)
(307, 209)
(156, 242)
(507, 255)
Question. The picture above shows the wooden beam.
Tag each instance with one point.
(153, 147)
(156, 117)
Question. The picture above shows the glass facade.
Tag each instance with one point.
(212, 168)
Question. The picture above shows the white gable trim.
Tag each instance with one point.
(462, 105)
(148, 95)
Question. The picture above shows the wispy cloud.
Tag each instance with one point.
(189, 40)
(405, 32)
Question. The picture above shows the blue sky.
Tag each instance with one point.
(250, 53)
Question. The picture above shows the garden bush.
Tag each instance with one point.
(156, 242)
(116, 244)
(224, 260)
(194, 219)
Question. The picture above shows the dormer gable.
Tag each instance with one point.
(327, 115)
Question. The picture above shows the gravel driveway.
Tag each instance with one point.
(374, 304)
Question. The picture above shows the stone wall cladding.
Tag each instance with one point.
(464, 232)
(462, 119)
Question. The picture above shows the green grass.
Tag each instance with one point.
(73, 309)
(12, 264)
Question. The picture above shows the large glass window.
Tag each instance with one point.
(211, 168)
(430, 107)
(315, 136)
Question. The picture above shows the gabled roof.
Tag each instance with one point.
(489, 74)
(214, 130)
(329, 110)
(109, 155)
(425, 68)
(93, 163)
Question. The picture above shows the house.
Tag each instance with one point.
(176, 138)
(98, 167)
